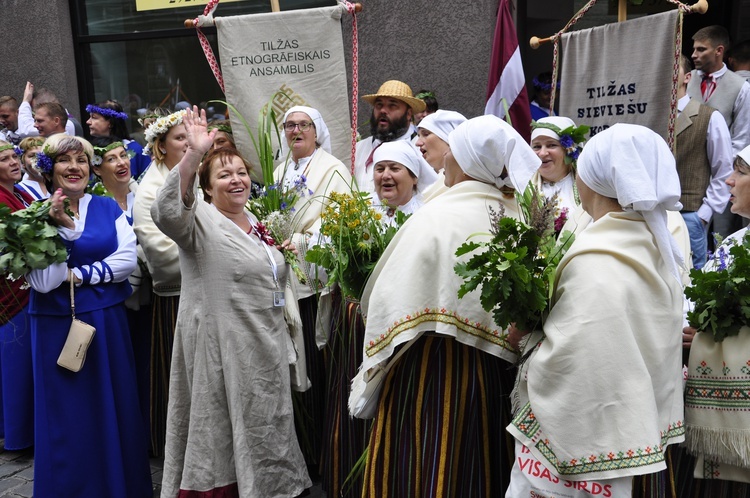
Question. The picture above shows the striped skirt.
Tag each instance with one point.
(310, 406)
(690, 487)
(163, 323)
(345, 438)
(440, 426)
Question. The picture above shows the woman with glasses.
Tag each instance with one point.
(306, 157)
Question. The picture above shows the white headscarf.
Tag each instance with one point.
(442, 123)
(321, 130)
(745, 154)
(404, 153)
(634, 165)
(559, 121)
(484, 146)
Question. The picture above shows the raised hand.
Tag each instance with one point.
(196, 124)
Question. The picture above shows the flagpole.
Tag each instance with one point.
(622, 11)
(699, 7)
(275, 6)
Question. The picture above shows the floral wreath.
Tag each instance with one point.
(109, 113)
(221, 127)
(571, 138)
(543, 86)
(143, 118)
(99, 152)
(160, 127)
(3, 148)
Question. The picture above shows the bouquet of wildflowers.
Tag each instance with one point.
(721, 298)
(274, 205)
(516, 268)
(28, 240)
(358, 236)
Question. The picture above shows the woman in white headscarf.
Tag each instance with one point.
(600, 397)
(308, 163)
(400, 176)
(717, 425)
(432, 142)
(437, 371)
(557, 141)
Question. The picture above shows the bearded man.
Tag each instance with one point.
(392, 110)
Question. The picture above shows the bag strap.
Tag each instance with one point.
(72, 298)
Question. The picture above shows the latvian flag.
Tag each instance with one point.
(506, 79)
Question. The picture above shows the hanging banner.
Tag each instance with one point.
(605, 78)
(297, 53)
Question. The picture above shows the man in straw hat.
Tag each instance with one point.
(392, 110)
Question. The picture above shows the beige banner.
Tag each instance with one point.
(298, 53)
(620, 73)
(170, 4)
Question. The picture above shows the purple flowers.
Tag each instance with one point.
(18, 150)
(44, 163)
(722, 258)
(108, 113)
(567, 141)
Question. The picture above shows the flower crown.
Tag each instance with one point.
(3, 148)
(109, 113)
(99, 152)
(571, 138)
(160, 127)
(543, 86)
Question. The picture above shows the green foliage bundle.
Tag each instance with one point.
(721, 298)
(28, 240)
(515, 269)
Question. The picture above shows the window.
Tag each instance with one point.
(147, 59)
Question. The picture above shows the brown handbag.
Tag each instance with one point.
(80, 335)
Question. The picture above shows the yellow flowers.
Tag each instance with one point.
(357, 237)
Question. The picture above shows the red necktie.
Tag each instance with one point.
(708, 85)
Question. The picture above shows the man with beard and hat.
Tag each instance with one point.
(392, 110)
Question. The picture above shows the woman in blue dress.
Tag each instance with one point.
(89, 431)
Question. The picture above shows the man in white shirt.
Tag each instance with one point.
(32, 98)
(50, 119)
(9, 120)
(704, 161)
(392, 110)
(713, 84)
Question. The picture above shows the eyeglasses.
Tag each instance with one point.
(304, 126)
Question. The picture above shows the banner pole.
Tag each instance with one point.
(275, 6)
(622, 11)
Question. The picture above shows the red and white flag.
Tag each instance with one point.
(507, 84)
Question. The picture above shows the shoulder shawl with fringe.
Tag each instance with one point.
(717, 401)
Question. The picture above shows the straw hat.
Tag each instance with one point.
(397, 90)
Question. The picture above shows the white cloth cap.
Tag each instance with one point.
(321, 130)
(442, 123)
(484, 146)
(404, 153)
(634, 165)
(559, 121)
(745, 154)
